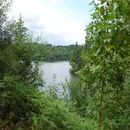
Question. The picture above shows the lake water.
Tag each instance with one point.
(55, 73)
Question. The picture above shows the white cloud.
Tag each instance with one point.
(47, 17)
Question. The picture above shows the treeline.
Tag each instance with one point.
(48, 52)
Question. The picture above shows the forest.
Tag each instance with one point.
(49, 52)
(98, 100)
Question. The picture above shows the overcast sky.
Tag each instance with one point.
(58, 21)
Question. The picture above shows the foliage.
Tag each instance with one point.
(17, 59)
(76, 58)
(107, 64)
(19, 31)
(25, 107)
(4, 30)
(18, 103)
(5, 37)
(78, 97)
(48, 52)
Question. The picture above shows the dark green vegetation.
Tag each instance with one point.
(76, 58)
(99, 99)
(48, 52)
(24, 107)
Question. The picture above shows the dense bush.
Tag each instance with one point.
(25, 107)
(18, 103)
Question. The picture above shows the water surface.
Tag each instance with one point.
(55, 72)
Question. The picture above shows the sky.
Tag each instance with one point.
(60, 22)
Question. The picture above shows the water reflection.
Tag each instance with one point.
(56, 73)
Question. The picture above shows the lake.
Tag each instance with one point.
(55, 73)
